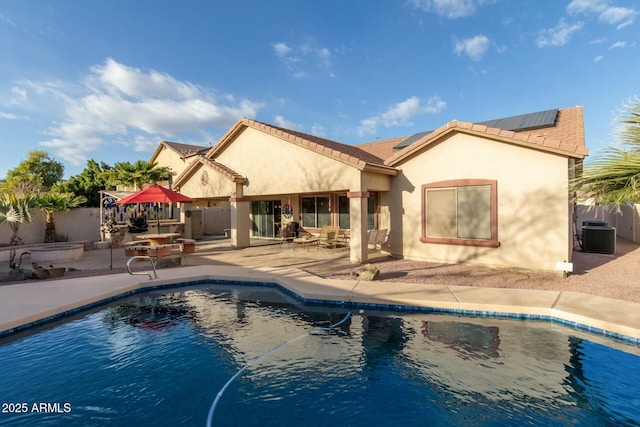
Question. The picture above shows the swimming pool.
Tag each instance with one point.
(160, 359)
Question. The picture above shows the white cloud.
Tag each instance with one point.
(281, 49)
(318, 130)
(558, 35)
(8, 116)
(119, 104)
(303, 58)
(144, 143)
(118, 79)
(284, 123)
(19, 96)
(620, 16)
(401, 114)
(587, 6)
(618, 45)
(598, 58)
(474, 47)
(451, 9)
(608, 14)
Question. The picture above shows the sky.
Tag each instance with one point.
(109, 80)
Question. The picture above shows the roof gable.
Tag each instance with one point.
(217, 166)
(183, 150)
(344, 153)
(564, 137)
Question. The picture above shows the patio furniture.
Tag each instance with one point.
(381, 238)
(137, 225)
(289, 231)
(187, 246)
(159, 238)
(129, 247)
(377, 237)
(305, 241)
(372, 236)
(328, 236)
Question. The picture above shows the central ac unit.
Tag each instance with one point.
(599, 240)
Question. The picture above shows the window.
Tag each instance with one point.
(316, 212)
(462, 212)
(344, 219)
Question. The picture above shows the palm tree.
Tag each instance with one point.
(15, 211)
(53, 202)
(137, 174)
(614, 178)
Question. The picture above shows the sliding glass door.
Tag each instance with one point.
(267, 218)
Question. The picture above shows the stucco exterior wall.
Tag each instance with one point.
(532, 197)
(78, 224)
(171, 159)
(217, 185)
(274, 166)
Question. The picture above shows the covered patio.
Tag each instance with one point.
(278, 182)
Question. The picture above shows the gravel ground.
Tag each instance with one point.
(609, 276)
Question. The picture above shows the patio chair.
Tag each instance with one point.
(381, 238)
(137, 225)
(372, 237)
(289, 231)
(327, 237)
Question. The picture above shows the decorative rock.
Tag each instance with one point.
(367, 272)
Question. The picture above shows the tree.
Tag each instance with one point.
(88, 183)
(37, 173)
(137, 174)
(614, 177)
(14, 210)
(56, 202)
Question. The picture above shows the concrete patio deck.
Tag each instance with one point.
(29, 303)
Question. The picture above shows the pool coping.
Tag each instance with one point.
(26, 305)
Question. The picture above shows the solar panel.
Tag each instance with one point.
(530, 121)
(522, 122)
(413, 138)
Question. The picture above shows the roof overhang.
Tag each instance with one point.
(522, 139)
(217, 166)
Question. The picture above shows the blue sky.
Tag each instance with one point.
(108, 80)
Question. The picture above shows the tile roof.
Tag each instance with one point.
(344, 153)
(185, 150)
(565, 137)
(217, 166)
(383, 148)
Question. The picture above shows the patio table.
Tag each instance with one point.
(158, 239)
(305, 241)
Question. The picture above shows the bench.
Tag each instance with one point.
(136, 250)
(161, 251)
(187, 246)
(128, 247)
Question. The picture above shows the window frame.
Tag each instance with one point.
(372, 211)
(315, 213)
(493, 242)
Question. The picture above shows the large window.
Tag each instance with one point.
(316, 212)
(344, 219)
(462, 212)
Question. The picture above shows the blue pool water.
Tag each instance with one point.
(161, 358)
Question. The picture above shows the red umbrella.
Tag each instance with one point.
(154, 194)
